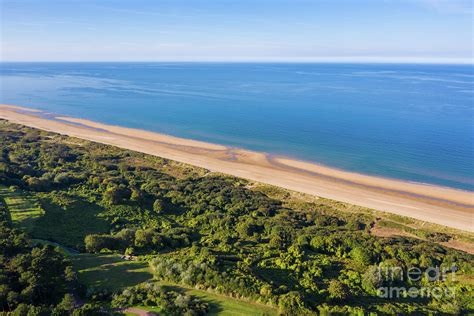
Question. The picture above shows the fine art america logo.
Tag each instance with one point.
(423, 283)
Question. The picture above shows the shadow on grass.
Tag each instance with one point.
(23, 208)
(109, 271)
(69, 225)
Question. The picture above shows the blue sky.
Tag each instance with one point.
(237, 30)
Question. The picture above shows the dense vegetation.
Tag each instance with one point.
(171, 302)
(209, 231)
(31, 278)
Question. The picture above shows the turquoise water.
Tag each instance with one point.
(411, 122)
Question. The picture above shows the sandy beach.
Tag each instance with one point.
(440, 205)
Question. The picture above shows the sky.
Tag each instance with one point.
(237, 30)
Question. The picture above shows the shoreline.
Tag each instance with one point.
(441, 205)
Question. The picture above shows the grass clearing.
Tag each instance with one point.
(69, 224)
(46, 217)
(109, 271)
(24, 208)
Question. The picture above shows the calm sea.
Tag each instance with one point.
(412, 122)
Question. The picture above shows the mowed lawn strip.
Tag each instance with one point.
(24, 208)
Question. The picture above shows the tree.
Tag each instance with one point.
(318, 243)
(158, 206)
(266, 290)
(148, 238)
(337, 290)
(291, 259)
(136, 195)
(276, 242)
(70, 274)
(65, 307)
(114, 195)
(372, 279)
(246, 229)
(129, 251)
(292, 304)
(95, 243)
(361, 255)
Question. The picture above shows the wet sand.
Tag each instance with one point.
(435, 204)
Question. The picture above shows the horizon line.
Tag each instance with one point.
(471, 63)
(335, 60)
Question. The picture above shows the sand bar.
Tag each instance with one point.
(440, 205)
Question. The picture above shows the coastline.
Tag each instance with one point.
(441, 205)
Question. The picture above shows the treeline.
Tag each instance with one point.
(141, 241)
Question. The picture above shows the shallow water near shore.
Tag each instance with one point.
(411, 122)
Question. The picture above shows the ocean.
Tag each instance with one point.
(409, 122)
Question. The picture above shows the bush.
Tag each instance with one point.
(361, 256)
(338, 291)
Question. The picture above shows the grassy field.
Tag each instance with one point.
(47, 219)
(108, 271)
(69, 224)
(24, 209)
